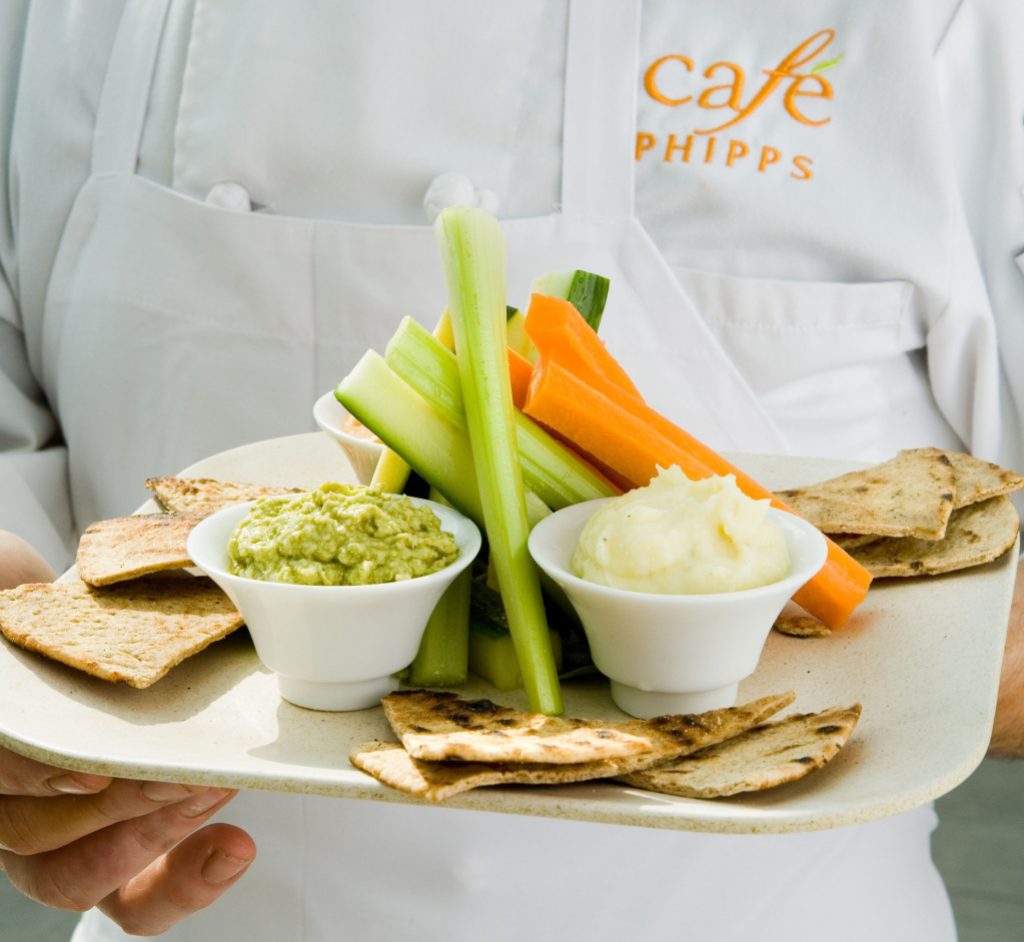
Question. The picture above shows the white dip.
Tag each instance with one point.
(681, 537)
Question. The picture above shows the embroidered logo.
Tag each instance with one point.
(798, 84)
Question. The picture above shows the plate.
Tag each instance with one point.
(921, 656)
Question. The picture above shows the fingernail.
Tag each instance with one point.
(78, 783)
(164, 792)
(203, 802)
(221, 867)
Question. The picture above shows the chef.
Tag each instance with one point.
(212, 208)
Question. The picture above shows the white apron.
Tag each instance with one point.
(182, 329)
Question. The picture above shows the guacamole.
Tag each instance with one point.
(340, 534)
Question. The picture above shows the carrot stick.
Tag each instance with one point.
(559, 332)
(519, 370)
(631, 440)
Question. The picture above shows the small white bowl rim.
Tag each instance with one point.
(796, 578)
(465, 558)
(335, 431)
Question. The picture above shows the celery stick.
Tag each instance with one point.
(443, 655)
(549, 469)
(492, 655)
(392, 473)
(428, 366)
(409, 425)
(443, 331)
(473, 253)
(419, 433)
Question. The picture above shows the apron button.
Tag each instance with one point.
(229, 195)
(454, 189)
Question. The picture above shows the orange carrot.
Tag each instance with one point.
(630, 440)
(559, 332)
(519, 371)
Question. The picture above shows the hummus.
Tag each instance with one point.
(681, 537)
(340, 534)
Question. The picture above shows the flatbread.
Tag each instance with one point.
(391, 764)
(134, 632)
(764, 757)
(128, 547)
(909, 495)
(850, 541)
(441, 726)
(978, 480)
(206, 495)
(388, 762)
(976, 534)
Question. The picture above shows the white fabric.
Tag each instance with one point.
(761, 315)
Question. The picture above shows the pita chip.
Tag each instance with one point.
(134, 632)
(441, 726)
(435, 780)
(978, 480)
(205, 496)
(977, 534)
(764, 757)
(801, 626)
(128, 547)
(909, 495)
(388, 762)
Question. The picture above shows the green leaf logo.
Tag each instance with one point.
(827, 64)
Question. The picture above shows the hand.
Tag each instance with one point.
(1008, 734)
(137, 850)
(20, 563)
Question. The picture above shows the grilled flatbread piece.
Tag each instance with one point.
(128, 547)
(134, 632)
(851, 541)
(206, 495)
(977, 534)
(978, 480)
(441, 726)
(909, 495)
(391, 764)
(761, 758)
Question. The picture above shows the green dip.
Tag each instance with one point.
(340, 534)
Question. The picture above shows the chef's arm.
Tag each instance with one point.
(1008, 735)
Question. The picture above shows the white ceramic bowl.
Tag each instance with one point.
(362, 452)
(332, 647)
(673, 653)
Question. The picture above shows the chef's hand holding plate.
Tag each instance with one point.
(137, 850)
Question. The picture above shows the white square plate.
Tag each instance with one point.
(922, 656)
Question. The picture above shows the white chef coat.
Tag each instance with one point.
(822, 277)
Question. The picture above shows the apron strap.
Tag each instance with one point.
(599, 124)
(125, 95)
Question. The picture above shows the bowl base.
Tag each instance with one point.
(644, 704)
(335, 697)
